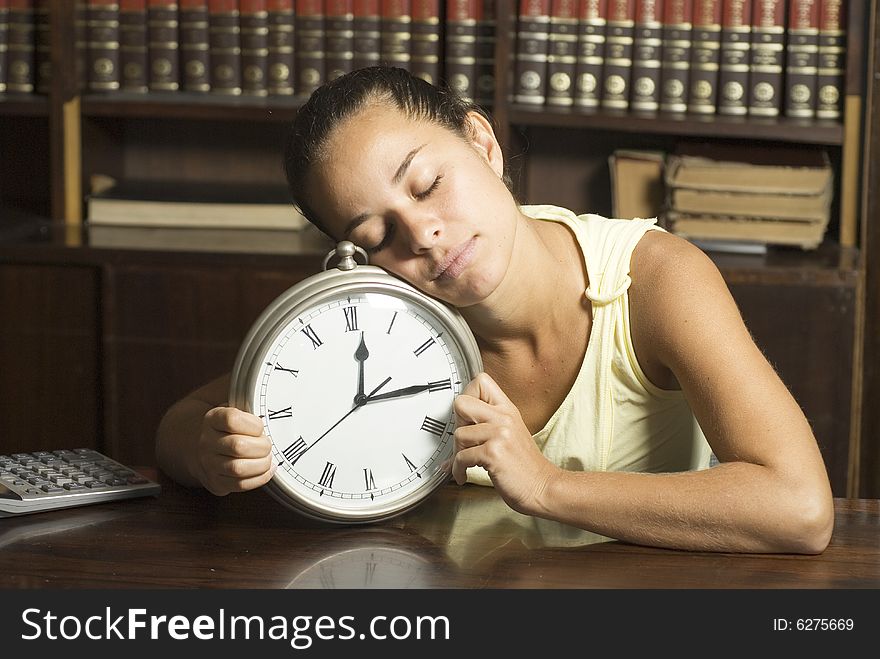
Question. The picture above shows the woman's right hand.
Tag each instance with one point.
(232, 453)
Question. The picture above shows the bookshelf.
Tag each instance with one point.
(810, 311)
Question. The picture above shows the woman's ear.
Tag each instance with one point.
(483, 138)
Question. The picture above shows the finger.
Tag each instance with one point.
(469, 457)
(224, 485)
(234, 421)
(244, 468)
(243, 446)
(468, 436)
(486, 389)
(470, 409)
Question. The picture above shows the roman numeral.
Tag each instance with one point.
(427, 344)
(328, 475)
(281, 414)
(279, 367)
(351, 319)
(410, 464)
(369, 483)
(309, 332)
(440, 385)
(295, 450)
(433, 426)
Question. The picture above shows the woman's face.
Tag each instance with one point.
(427, 204)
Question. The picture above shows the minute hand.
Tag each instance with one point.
(399, 393)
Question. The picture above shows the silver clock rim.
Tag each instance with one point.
(306, 294)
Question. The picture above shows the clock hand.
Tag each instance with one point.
(346, 415)
(397, 393)
(361, 355)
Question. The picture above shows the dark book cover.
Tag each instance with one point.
(705, 57)
(562, 52)
(42, 47)
(425, 40)
(733, 70)
(801, 58)
(309, 46)
(164, 45)
(396, 31)
(532, 52)
(591, 54)
(224, 46)
(486, 39)
(103, 39)
(461, 46)
(767, 58)
(254, 17)
(675, 64)
(339, 37)
(4, 41)
(367, 33)
(195, 46)
(281, 60)
(20, 75)
(617, 68)
(647, 47)
(133, 50)
(832, 59)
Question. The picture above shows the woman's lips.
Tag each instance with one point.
(457, 260)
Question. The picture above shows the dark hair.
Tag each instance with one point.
(343, 97)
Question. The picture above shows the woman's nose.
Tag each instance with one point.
(422, 231)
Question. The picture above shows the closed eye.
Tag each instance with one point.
(386, 239)
(424, 194)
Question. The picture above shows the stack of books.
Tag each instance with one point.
(779, 196)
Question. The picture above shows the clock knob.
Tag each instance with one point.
(346, 251)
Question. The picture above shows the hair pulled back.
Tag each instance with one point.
(344, 97)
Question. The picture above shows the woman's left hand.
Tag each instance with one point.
(492, 435)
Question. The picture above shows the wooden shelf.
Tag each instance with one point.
(187, 105)
(24, 105)
(783, 129)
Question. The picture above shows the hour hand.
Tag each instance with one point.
(361, 355)
(399, 393)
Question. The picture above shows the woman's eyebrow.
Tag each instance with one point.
(405, 164)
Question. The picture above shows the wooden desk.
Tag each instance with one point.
(464, 537)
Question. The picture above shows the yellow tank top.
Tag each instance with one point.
(614, 418)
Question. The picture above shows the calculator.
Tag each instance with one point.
(49, 480)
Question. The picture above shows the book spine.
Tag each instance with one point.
(162, 37)
(425, 40)
(339, 37)
(461, 46)
(42, 47)
(801, 58)
(81, 42)
(367, 33)
(103, 40)
(20, 54)
(254, 18)
(4, 42)
(486, 39)
(767, 58)
(705, 57)
(532, 46)
(133, 52)
(675, 68)
(396, 33)
(195, 47)
(733, 70)
(647, 44)
(309, 46)
(280, 62)
(591, 54)
(832, 59)
(224, 47)
(562, 52)
(617, 69)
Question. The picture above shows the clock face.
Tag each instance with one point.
(355, 388)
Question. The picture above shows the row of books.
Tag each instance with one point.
(728, 196)
(762, 58)
(252, 47)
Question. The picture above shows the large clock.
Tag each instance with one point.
(353, 372)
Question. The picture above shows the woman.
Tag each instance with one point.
(609, 346)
